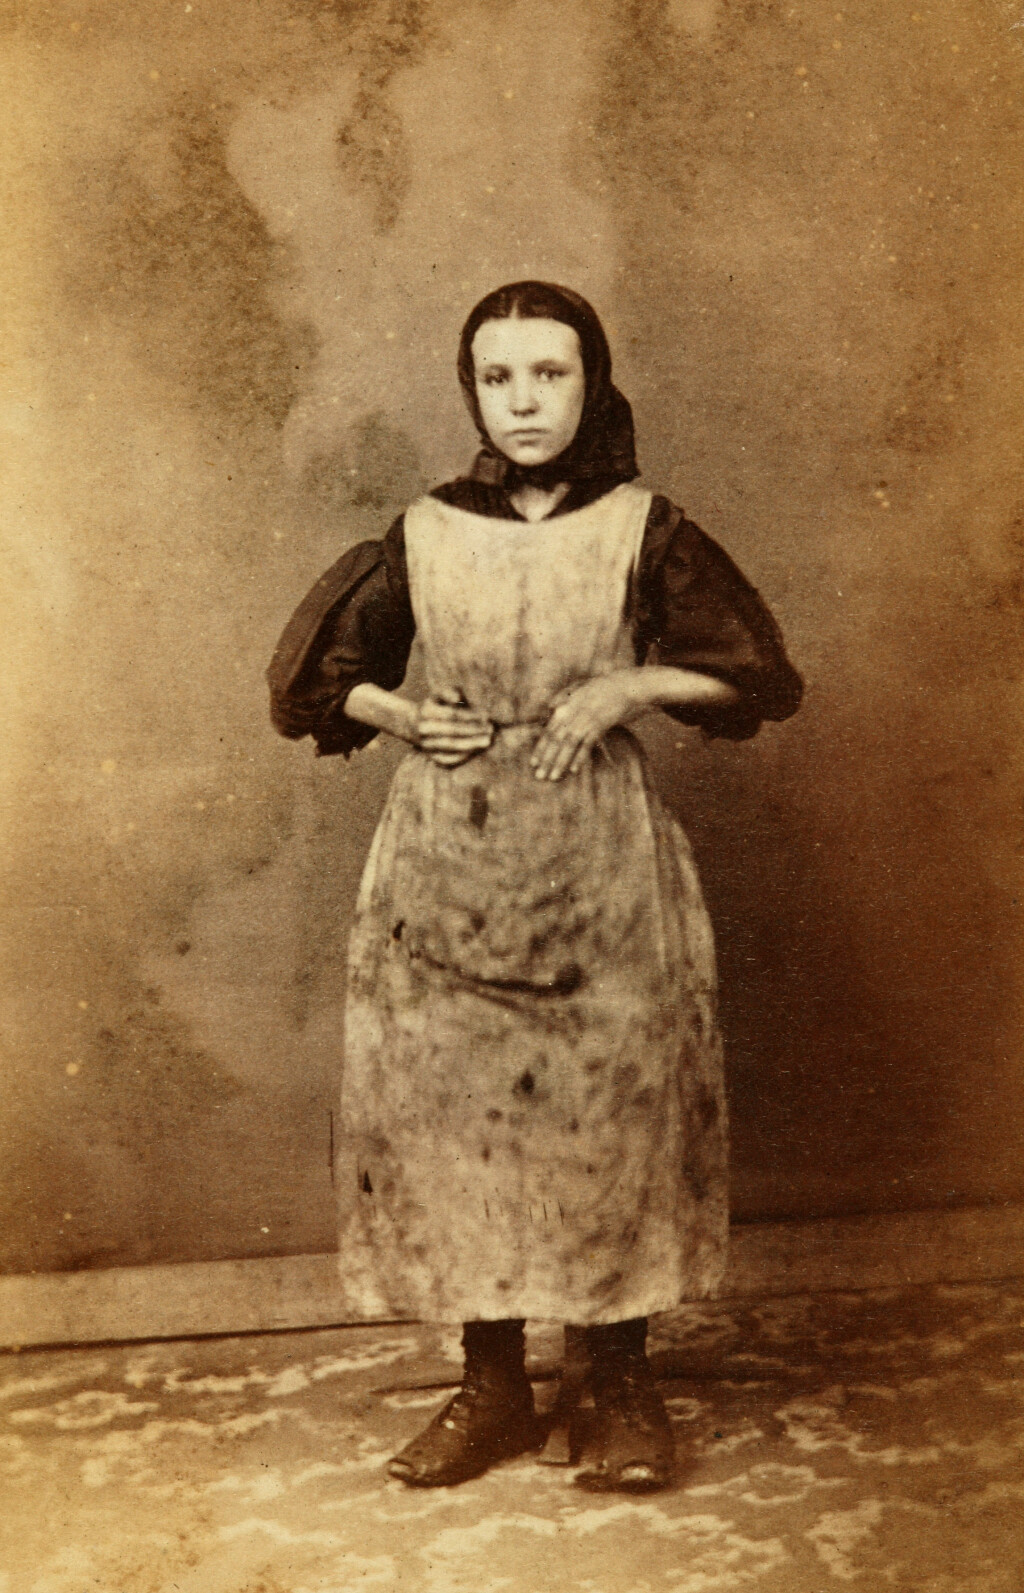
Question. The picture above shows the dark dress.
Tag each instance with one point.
(691, 607)
(533, 1116)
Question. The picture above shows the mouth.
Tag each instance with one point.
(528, 434)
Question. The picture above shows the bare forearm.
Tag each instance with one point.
(663, 686)
(384, 710)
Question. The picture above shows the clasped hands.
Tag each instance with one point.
(450, 732)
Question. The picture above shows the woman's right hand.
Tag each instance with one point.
(449, 731)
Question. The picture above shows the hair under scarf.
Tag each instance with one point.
(603, 447)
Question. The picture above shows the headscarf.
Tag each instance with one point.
(603, 447)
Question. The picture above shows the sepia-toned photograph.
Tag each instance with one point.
(512, 811)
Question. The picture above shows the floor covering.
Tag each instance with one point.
(870, 1441)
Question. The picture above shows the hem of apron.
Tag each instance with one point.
(532, 1308)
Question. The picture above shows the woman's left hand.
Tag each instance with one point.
(580, 717)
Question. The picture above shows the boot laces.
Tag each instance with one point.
(482, 1395)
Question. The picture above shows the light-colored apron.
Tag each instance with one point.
(533, 1119)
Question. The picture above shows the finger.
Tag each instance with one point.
(439, 713)
(537, 756)
(458, 710)
(478, 734)
(459, 733)
(454, 710)
(547, 745)
(455, 727)
(581, 758)
(434, 714)
(463, 748)
(454, 736)
(567, 753)
(562, 741)
(559, 747)
(448, 694)
(573, 745)
(545, 753)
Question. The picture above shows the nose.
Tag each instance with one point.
(522, 396)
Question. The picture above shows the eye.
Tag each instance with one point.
(493, 378)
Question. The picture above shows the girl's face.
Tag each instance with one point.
(530, 385)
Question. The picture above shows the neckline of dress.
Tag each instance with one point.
(520, 522)
(491, 500)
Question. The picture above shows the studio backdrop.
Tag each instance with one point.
(247, 236)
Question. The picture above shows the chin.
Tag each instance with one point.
(529, 455)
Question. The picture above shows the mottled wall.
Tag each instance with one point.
(247, 235)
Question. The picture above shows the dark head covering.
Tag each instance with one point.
(603, 447)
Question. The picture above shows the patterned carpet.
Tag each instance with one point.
(872, 1440)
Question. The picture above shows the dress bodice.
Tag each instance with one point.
(510, 612)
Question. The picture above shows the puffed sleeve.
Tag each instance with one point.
(695, 610)
(355, 626)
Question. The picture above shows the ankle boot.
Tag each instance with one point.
(633, 1450)
(490, 1418)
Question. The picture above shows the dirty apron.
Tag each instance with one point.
(533, 1120)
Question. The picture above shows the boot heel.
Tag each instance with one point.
(565, 1436)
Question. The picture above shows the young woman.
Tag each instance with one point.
(533, 1116)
